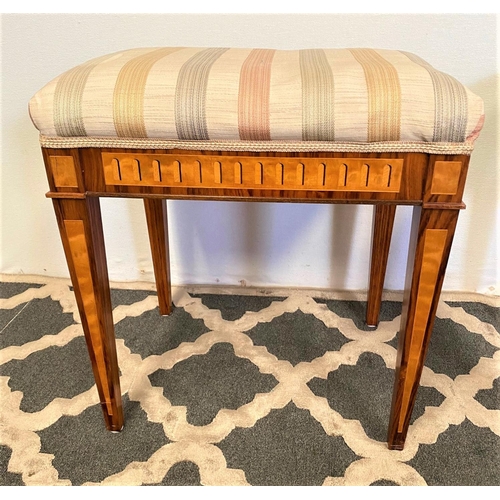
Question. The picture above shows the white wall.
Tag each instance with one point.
(263, 244)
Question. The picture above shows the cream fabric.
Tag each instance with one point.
(313, 99)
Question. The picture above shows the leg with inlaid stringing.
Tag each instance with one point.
(80, 226)
(156, 216)
(383, 222)
(430, 242)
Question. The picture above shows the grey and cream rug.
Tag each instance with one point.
(248, 388)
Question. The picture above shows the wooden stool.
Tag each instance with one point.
(317, 126)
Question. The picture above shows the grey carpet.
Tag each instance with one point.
(243, 389)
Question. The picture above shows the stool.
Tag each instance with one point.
(381, 127)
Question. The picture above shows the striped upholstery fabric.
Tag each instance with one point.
(314, 98)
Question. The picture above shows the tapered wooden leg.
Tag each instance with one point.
(383, 222)
(156, 216)
(80, 226)
(430, 243)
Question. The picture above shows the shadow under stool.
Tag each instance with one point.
(356, 126)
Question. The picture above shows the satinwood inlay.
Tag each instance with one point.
(446, 177)
(63, 171)
(304, 173)
(75, 232)
(434, 245)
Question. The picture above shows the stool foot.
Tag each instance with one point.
(430, 242)
(156, 216)
(397, 447)
(383, 222)
(80, 226)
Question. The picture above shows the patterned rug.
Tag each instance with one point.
(255, 387)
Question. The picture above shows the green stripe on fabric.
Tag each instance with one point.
(253, 96)
(68, 95)
(451, 108)
(317, 96)
(384, 95)
(128, 95)
(190, 95)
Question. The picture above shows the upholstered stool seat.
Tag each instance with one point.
(259, 100)
(314, 126)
